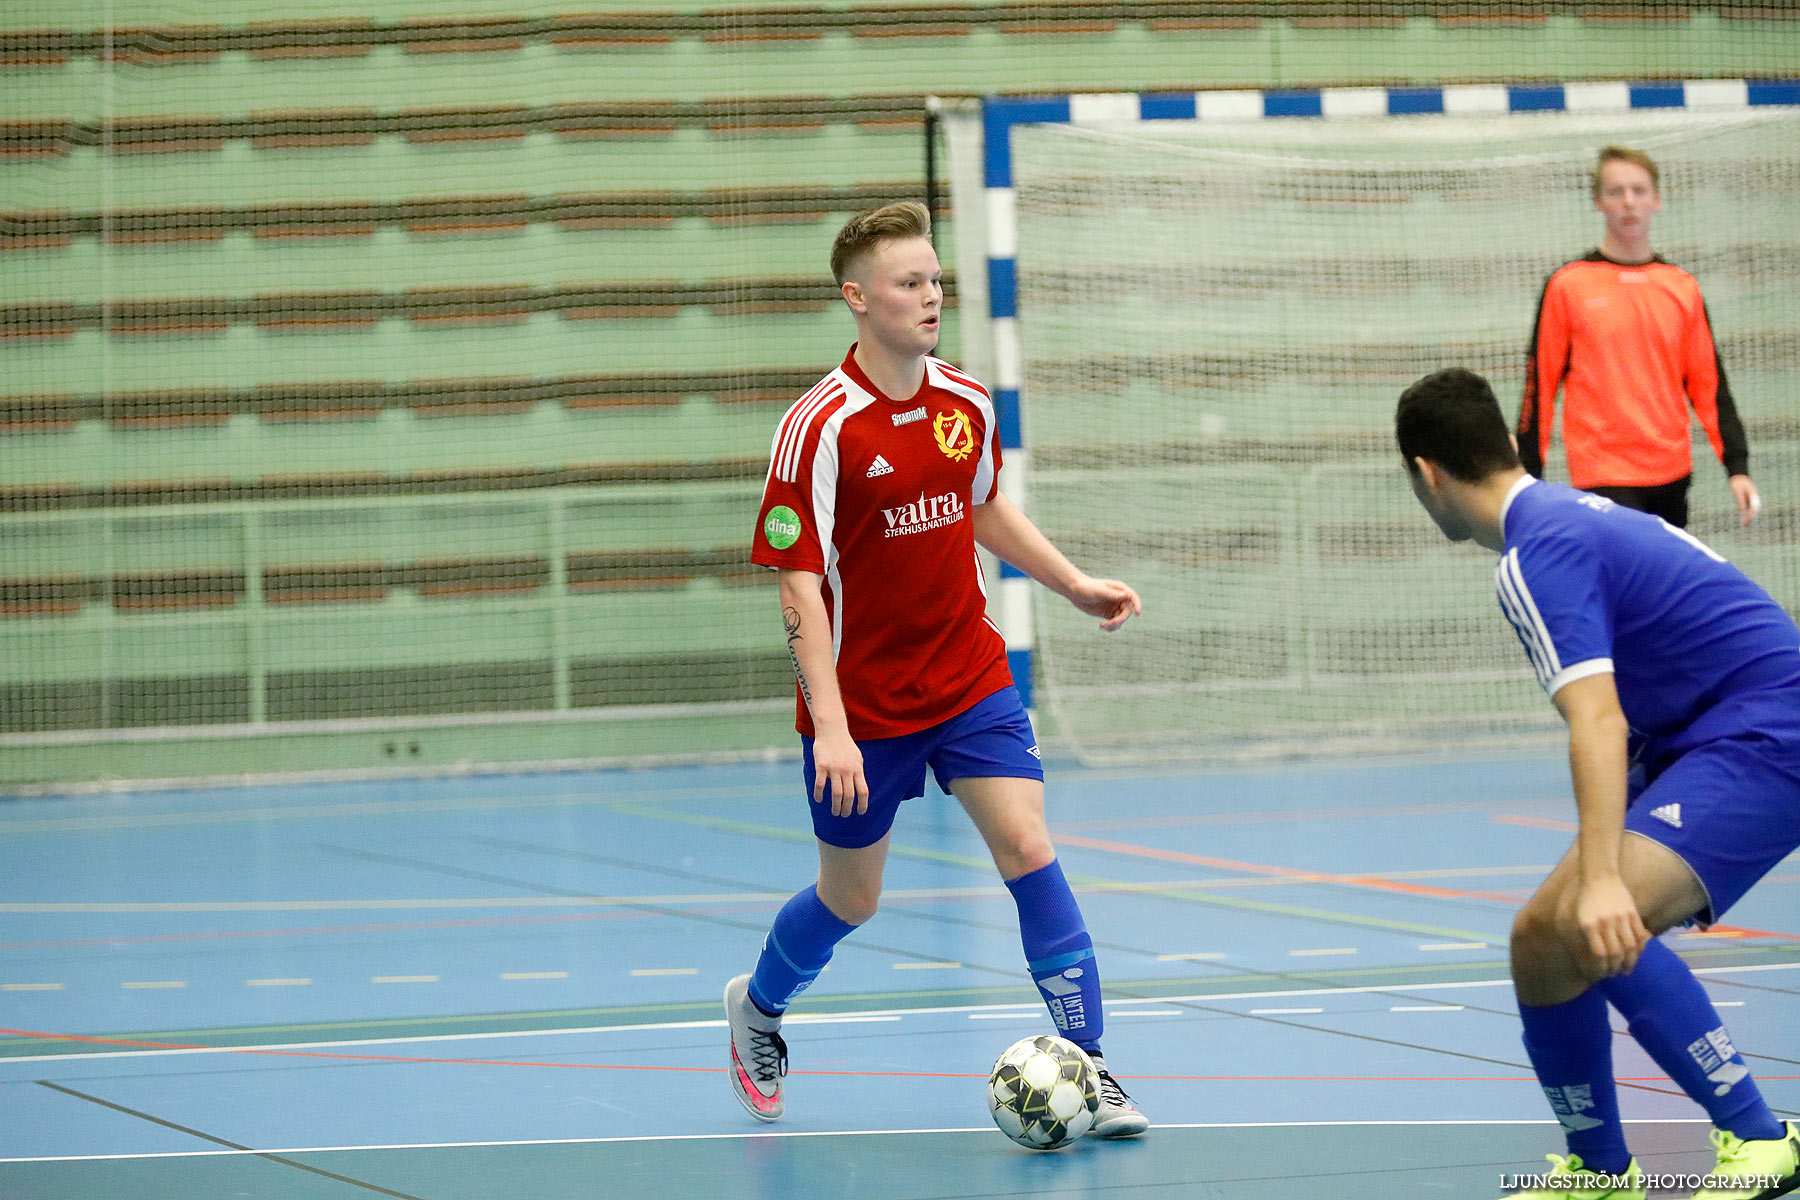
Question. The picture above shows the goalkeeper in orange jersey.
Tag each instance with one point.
(1627, 339)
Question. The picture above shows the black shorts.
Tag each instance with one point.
(1666, 500)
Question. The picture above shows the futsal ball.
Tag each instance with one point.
(1044, 1092)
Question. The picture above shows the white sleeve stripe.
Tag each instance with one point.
(794, 436)
(1531, 652)
(792, 420)
(951, 373)
(1530, 608)
(795, 419)
(1580, 670)
(793, 429)
(1509, 607)
(1515, 598)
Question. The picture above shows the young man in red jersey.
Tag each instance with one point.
(882, 480)
(1627, 338)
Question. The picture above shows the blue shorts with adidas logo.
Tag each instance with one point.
(1724, 794)
(990, 739)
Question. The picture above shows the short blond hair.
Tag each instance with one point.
(867, 230)
(1610, 154)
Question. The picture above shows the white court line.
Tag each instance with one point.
(495, 1035)
(1427, 1008)
(1147, 1012)
(1439, 946)
(1208, 955)
(1276, 1012)
(1006, 1016)
(984, 1130)
(1321, 953)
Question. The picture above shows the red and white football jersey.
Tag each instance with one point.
(876, 495)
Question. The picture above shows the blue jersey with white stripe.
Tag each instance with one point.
(1592, 587)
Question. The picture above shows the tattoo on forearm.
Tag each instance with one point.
(790, 620)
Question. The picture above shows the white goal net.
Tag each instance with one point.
(1216, 321)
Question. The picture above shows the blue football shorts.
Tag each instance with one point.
(1728, 807)
(991, 739)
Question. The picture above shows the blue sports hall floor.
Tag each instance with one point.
(507, 986)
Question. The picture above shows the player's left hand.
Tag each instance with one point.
(1749, 500)
(1112, 601)
(1612, 931)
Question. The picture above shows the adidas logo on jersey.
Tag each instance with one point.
(1668, 814)
(880, 466)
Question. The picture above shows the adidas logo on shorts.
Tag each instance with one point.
(1668, 814)
(880, 466)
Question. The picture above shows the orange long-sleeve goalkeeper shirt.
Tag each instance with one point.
(1631, 348)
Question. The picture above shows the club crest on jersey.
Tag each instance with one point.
(954, 436)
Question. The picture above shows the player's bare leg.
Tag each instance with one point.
(1009, 813)
(850, 880)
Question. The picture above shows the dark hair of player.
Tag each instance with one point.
(1452, 418)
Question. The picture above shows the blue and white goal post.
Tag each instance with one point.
(1005, 339)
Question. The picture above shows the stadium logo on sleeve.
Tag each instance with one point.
(781, 527)
(954, 437)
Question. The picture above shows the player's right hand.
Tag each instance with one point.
(838, 774)
(1613, 932)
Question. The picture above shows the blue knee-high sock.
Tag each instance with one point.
(797, 948)
(1673, 1020)
(1570, 1047)
(1060, 954)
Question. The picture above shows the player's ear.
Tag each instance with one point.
(853, 296)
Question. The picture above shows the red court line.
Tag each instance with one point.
(1363, 881)
(1227, 864)
(1536, 822)
(1282, 816)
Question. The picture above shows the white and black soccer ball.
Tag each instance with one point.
(1044, 1092)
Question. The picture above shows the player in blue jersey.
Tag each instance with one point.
(1679, 680)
